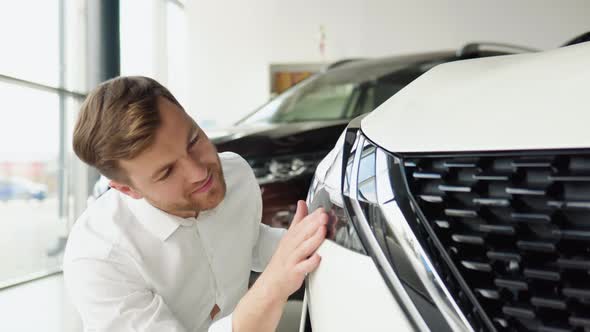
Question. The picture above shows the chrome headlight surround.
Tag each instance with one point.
(356, 184)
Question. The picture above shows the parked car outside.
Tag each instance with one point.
(462, 203)
(20, 188)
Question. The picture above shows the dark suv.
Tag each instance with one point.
(285, 139)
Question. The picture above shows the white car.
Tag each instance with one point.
(462, 203)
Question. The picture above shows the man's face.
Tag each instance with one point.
(181, 172)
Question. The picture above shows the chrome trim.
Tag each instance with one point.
(303, 318)
(403, 235)
(400, 293)
(384, 190)
(419, 260)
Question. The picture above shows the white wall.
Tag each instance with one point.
(426, 25)
(232, 42)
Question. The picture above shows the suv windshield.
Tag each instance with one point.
(343, 93)
(312, 99)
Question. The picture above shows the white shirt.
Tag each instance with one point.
(129, 266)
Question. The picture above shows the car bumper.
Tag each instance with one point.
(347, 293)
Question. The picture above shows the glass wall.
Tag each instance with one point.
(42, 75)
(42, 84)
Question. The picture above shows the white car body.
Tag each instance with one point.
(536, 101)
(512, 102)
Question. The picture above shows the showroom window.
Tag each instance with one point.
(154, 42)
(42, 83)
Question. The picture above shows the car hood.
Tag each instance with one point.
(516, 102)
(266, 139)
(270, 129)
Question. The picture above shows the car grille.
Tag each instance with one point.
(510, 235)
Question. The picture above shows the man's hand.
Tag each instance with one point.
(261, 308)
(295, 255)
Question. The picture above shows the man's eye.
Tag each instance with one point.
(166, 174)
(193, 141)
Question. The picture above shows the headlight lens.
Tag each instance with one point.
(367, 193)
(365, 163)
(366, 181)
(325, 191)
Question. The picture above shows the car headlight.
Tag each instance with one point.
(331, 190)
(325, 192)
(284, 168)
(357, 183)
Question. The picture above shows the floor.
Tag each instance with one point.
(42, 305)
(30, 235)
(39, 305)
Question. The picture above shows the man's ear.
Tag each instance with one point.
(125, 189)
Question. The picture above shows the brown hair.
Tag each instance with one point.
(118, 121)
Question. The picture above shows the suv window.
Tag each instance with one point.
(313, 100)
(388, 85)
(325, 103)
(326, 98)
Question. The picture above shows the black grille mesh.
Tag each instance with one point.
(517, 228)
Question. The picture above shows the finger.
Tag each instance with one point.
(305, 228)
(309, 226)
(301, 222)
(300, 213)
(310, 264)
(310, 245)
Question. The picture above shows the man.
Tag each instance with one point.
(172, 247)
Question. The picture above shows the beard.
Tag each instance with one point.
(213, 197)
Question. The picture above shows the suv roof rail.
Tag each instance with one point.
(474, 48)
(579, 39)
(341, 62)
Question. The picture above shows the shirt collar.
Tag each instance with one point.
(160, 223)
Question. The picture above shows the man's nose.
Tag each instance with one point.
(196, 171)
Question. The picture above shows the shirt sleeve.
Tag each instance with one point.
(268, 240)
(109, 297)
